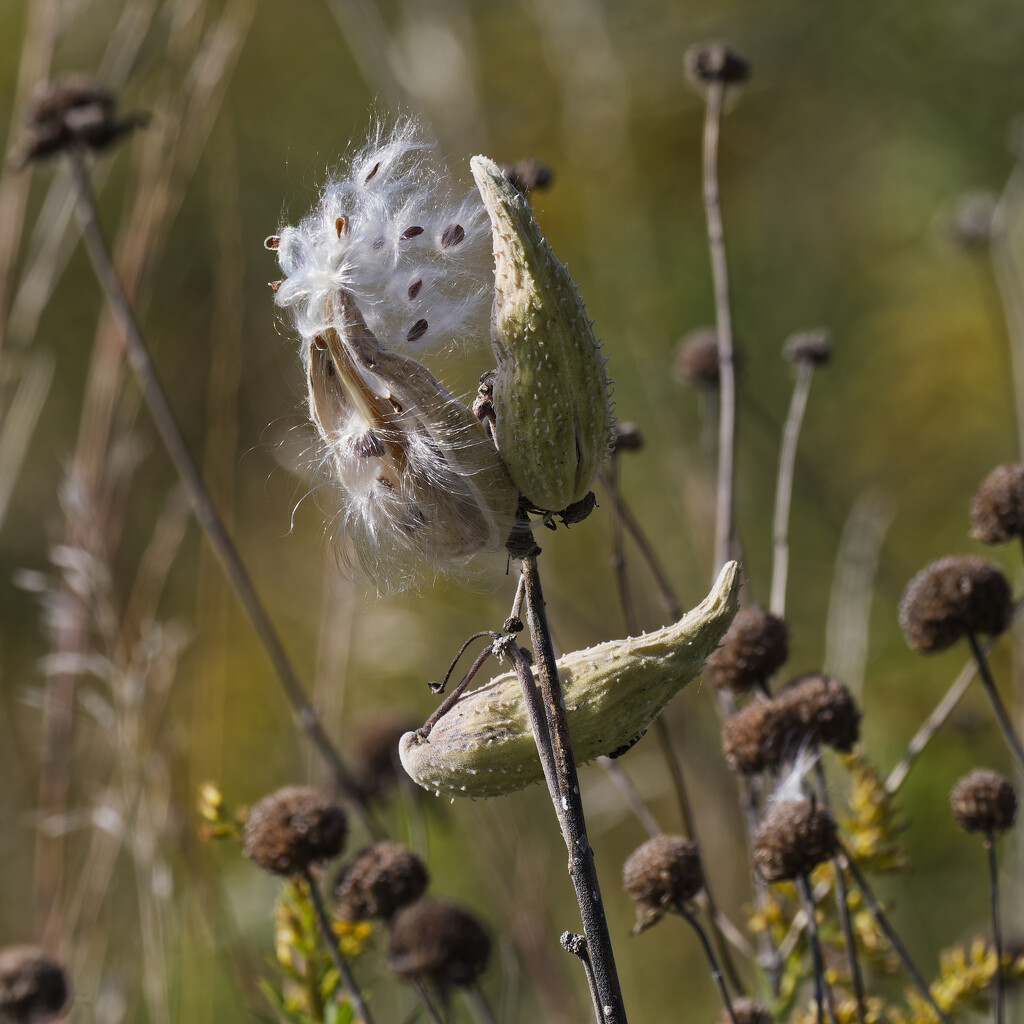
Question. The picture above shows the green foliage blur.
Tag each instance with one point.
(861, 124)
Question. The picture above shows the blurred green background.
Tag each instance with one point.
(860, 126)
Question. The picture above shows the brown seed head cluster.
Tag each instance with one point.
(626, 437)
(379, 881)
(374, 751)
(715, 62)
(997, 510)
(438, 941)
(825, 709)
(293, 828)
(814, 347)
(664, 870)
(795, 836)
(761, 735)
(696, 361)
(528, 174)
(71, 111)
(756, 645)
(33, 985)
(747, 1012)
(953, 596)
(984, 801)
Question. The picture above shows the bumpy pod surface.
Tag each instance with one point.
(484, 746)
(551, 406)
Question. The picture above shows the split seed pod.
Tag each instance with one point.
(613, 692)
(551, 406)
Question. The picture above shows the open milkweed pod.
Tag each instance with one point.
(422, 487)
(613, 692)
(551, 405)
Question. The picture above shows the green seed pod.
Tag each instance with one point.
(484, 746)
(551, 406)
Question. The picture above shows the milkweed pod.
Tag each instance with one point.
(613, 692)
(551, 391)
(421, 485)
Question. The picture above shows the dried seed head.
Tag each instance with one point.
(814, 347)
(795, 836)
(381, 880)
(715, 62)
(762, 734)
(997, 510)
(953, 596)
(552, 414)
(825, 708)
(984, 801)
(33, 985)
(664, 870)
(484, 747)
(756, 645)
(439, 942)
(528, 174)
(626, 437)
(374, 750)
(746, 1012)
(293, 828)
(970, 221)
(696, 360)
(71, 111)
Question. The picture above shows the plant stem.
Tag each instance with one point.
(202, 502)
(997, 932)
(784, 486)
(570, 806)
(890, 933)
(716, 971)
(723, 321)
(421, 991)
(478, 1004)
(822, 993)
(330, 940)
(987, 682)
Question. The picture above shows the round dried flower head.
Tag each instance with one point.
(953, 596)
(626, 437)
(814, 347)
(984, 801)
(33, 985)
(825, 708)
(761, 735)
(795, 836)
(997, 510)
(696, 360)
(715, 62)
(970, 220)
(293, 828)
(374, 750)
(746, 1011)
(528, 174)
(438, 941)
(381, 880)
(663, 871)
(756, 645)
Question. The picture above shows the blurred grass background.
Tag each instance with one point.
(860, 125)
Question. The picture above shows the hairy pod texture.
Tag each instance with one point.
(484, 747)
(551, 392)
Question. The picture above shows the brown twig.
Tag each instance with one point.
(998, 708)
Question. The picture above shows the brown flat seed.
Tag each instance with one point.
(452, 235)
(385, 482)
(369, 446)
(378, 244)
(414, 288)
(330, 368)
(339, 225)
(397, 406)
(320, 342)
(417, 330)
(271, 241)
(376, 167)
(412, 232)
(274, 285)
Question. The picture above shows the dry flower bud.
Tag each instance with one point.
(293, 828)
(984, 801)
(794, 837)
(756, 645)
(484, 747)
(696, 360)
(381, 880)
(715, 62)
(33, 985)
(953, 596)
(761, 735)
(437, 941)
(374, 751)
(626, 437)
(825, 708)
(997, 510)
(664, 870)
(551, 406)
(528, 174)
(746, 1011)
(814, 347)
